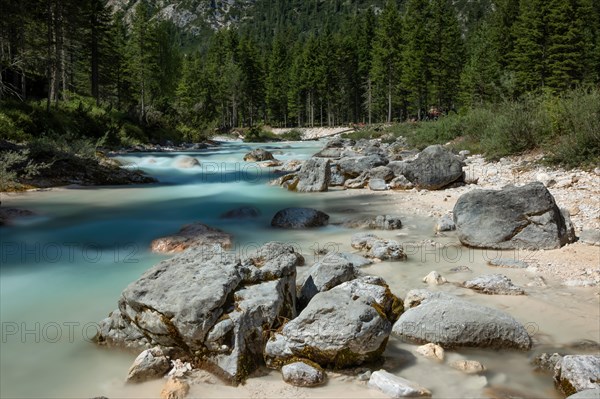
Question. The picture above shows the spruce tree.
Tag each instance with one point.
(566, 51)
(387, 60)
(416, 62)
(480, 78)
(446, 57)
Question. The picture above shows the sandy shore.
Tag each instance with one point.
(575, 190)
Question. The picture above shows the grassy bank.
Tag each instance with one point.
(565, 128)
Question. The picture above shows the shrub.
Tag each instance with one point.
(14, 166)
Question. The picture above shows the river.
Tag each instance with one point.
(63, 271)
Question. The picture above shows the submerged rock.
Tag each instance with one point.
(185, 162)
(302, 374)
(574, 373)
(299, 218)
(193, 235)
(508, 263)
(377, 247)
(9, 215)
(396, 387)
(258, 155)
(515, 217)
(445, 223)
(386, 222)
(434, 278)
(468, 366)
(211, 306)
(493, 284)
(452, 323)
(243, 212)
(345, 326)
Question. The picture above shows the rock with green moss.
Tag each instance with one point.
(575, 373)
(345, 326)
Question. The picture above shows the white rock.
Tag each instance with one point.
(396, 387)
(431, 351)
(434, 278)
(302, 374)
(179, 369)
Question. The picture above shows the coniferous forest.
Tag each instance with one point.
(125, 74)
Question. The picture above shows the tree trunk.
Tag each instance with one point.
(94, 53)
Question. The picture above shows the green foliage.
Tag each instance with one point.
(16, 165)
(292, 135)
(575, 120)
(256, 134)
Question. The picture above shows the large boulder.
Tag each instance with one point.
(515, 217)
(575, 373)
(299, 218)
(452, 322)
(352, 167)
(434, 168)
(345, 326)
(324, 275)
(211, 306)
(258, 155)
(192, 235)
(314, 176)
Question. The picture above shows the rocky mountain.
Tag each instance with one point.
(193, 15)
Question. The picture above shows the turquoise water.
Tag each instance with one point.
(63, 271)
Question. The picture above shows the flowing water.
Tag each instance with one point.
(63, 270)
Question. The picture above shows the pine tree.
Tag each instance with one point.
(529, 57)
(364, 41)
(565, 48)
(446, 57)
(480, 79)
(141, 63)
(387, 58)
(416, 55)
(277, 82)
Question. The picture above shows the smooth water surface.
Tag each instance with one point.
(63, 270)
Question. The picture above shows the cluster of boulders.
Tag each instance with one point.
(229, 314)
(376, 165)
